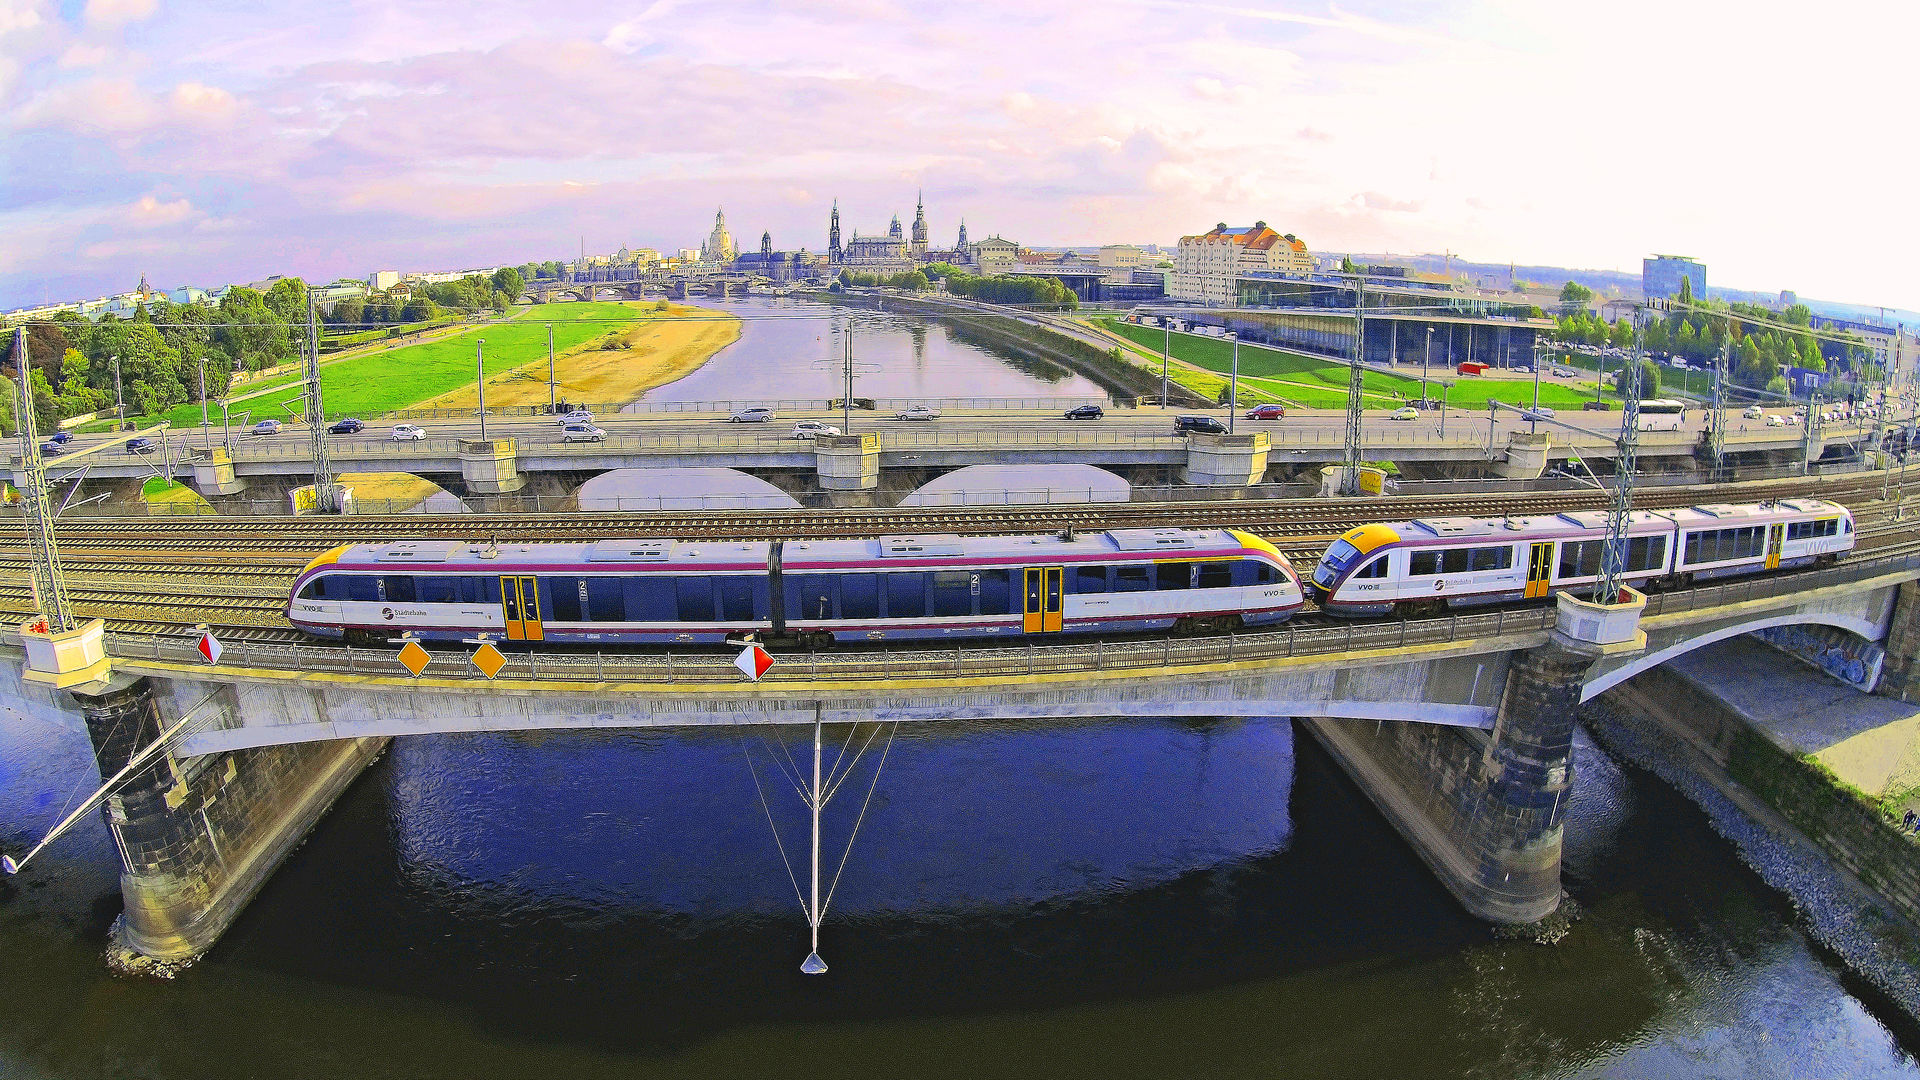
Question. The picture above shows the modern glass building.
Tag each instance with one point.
(1660, 276)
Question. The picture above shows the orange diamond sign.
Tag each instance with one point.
(415, 658)
(488, 659)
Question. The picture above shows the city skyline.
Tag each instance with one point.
(201, 146)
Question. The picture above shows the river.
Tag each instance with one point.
(1128, 898)
(790, 348)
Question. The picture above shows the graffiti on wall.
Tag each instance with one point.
(1848, 657)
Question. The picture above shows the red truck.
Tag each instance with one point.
(1468, 367)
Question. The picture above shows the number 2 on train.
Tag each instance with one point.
(520, 603)
(1539, 569)
(1042, 612)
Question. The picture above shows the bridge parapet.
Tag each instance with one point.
(490, 466)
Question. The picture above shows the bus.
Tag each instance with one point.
(1662, 414)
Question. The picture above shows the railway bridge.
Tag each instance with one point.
(1458, 726)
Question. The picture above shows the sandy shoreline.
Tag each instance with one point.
(658, 349)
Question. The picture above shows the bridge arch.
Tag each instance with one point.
(1866, 628)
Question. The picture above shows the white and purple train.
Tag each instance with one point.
(1419, 567)
(891, 588)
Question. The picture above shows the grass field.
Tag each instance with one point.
(397, 378)
(1319, 384)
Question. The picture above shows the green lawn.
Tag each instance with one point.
(391, 379)
(1319, 384)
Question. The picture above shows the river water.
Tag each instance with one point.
(1128, 898)
(792, 348)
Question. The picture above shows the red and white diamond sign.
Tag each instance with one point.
(210, 647)
(753, 661)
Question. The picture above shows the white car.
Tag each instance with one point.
(807, 429)
(577, 416)
(755, 415)
(918, 412)
(1754, 412)
(1538, 413)
(408, 433)
(582, 433)
(1776, 420)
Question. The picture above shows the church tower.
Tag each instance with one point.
(766, 247)
(893, 229)
(960, 248)
(835, 253)
(920, 226)
(719, 245)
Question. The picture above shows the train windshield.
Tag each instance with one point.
(1338, 558)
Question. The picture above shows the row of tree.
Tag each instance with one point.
(911, 280)
(1023, 290)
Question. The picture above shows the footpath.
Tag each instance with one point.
(1808, 775)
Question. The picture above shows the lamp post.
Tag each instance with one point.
(552, 406)
(1233, 385)
(1166, 345)
(1425, 364)
(206, 421)
(480, 381)
(119, 399)
(1536, 384)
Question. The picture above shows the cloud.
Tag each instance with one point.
(197, 100)
(150, 213)
(1374, 200)
(112, 14)
(84, 55)
(18, 15)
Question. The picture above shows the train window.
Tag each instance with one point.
(906, 596)
(1131, 579)
(1489, 558)
(1215, 575)
(1580, 558)
(480, 590)
(859, 596)
(397, 588)
(1173, 575)
(1251, 572)
(1088, 579)
(1423, 564)
(952, 593)
(1375, 569)
(606, 599)
(436, 589)
(695, 598)
(314, 589)
(1455, 560)
(649, 598)
(736, 598)
(1646, 552)
(996, 592)
(362, 588)
(560, 598)
(809, 596)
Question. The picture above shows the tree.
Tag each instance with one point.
(508, 280)
(1574, 297)
(1620, 335)
(1346, 261)
(288, 300)
(1649, 380)
(1686, 289)
(1777, 385)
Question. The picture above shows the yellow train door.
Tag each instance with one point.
(1041, 612)
(1776, 539)
(1539, 569)
(520, 604)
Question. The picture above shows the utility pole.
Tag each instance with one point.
(1233, 385)
(480, 381)
(1350, 472)
(1613, 558)
(1810, 431)
(1425, 364)
(119, 399)
(326, 498)
(1717, 433)
(552, 400)
(206, 420)
(846, 393)
(1536, 383)
(49, 585)
(1166, 346)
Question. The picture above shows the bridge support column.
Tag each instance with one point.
(848, 466)
(1225, 460)
(1526, 456)
(199, 836)
(491, 466)
(1900, 671)
(1484, 809)
(213, 473)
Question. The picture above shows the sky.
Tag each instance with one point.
(221, 141)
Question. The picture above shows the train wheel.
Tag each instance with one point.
(364, 639)
(1417, 609)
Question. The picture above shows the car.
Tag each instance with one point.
(1754, 412)
(61, 437)
(50, 448)
(1524, 369)
(1085, 412)
(1404, 412)
(1776, 420)
(408, 433)
(756, 415)
(577, 416)
(266, 427)
(1266, 412)
(1538, 412)
(142, 445)
(346, 426)
(1205, 425)
(918, 412)
(1566, 373)
(1595, 406)
(807, 429)
(582, 433)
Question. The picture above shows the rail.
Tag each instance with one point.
(970, 664)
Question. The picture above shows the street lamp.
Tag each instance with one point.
(551, 403)
(480, 381)
(1425, 364)
(206, 421)
(119, 400)
(1233, 384)
(1166, 345)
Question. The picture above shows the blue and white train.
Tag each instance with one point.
(1420, 567)
(890, 588)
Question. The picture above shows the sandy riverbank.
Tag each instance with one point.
(619, 367)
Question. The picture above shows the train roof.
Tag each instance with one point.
(1518, 527)
(482, 556)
